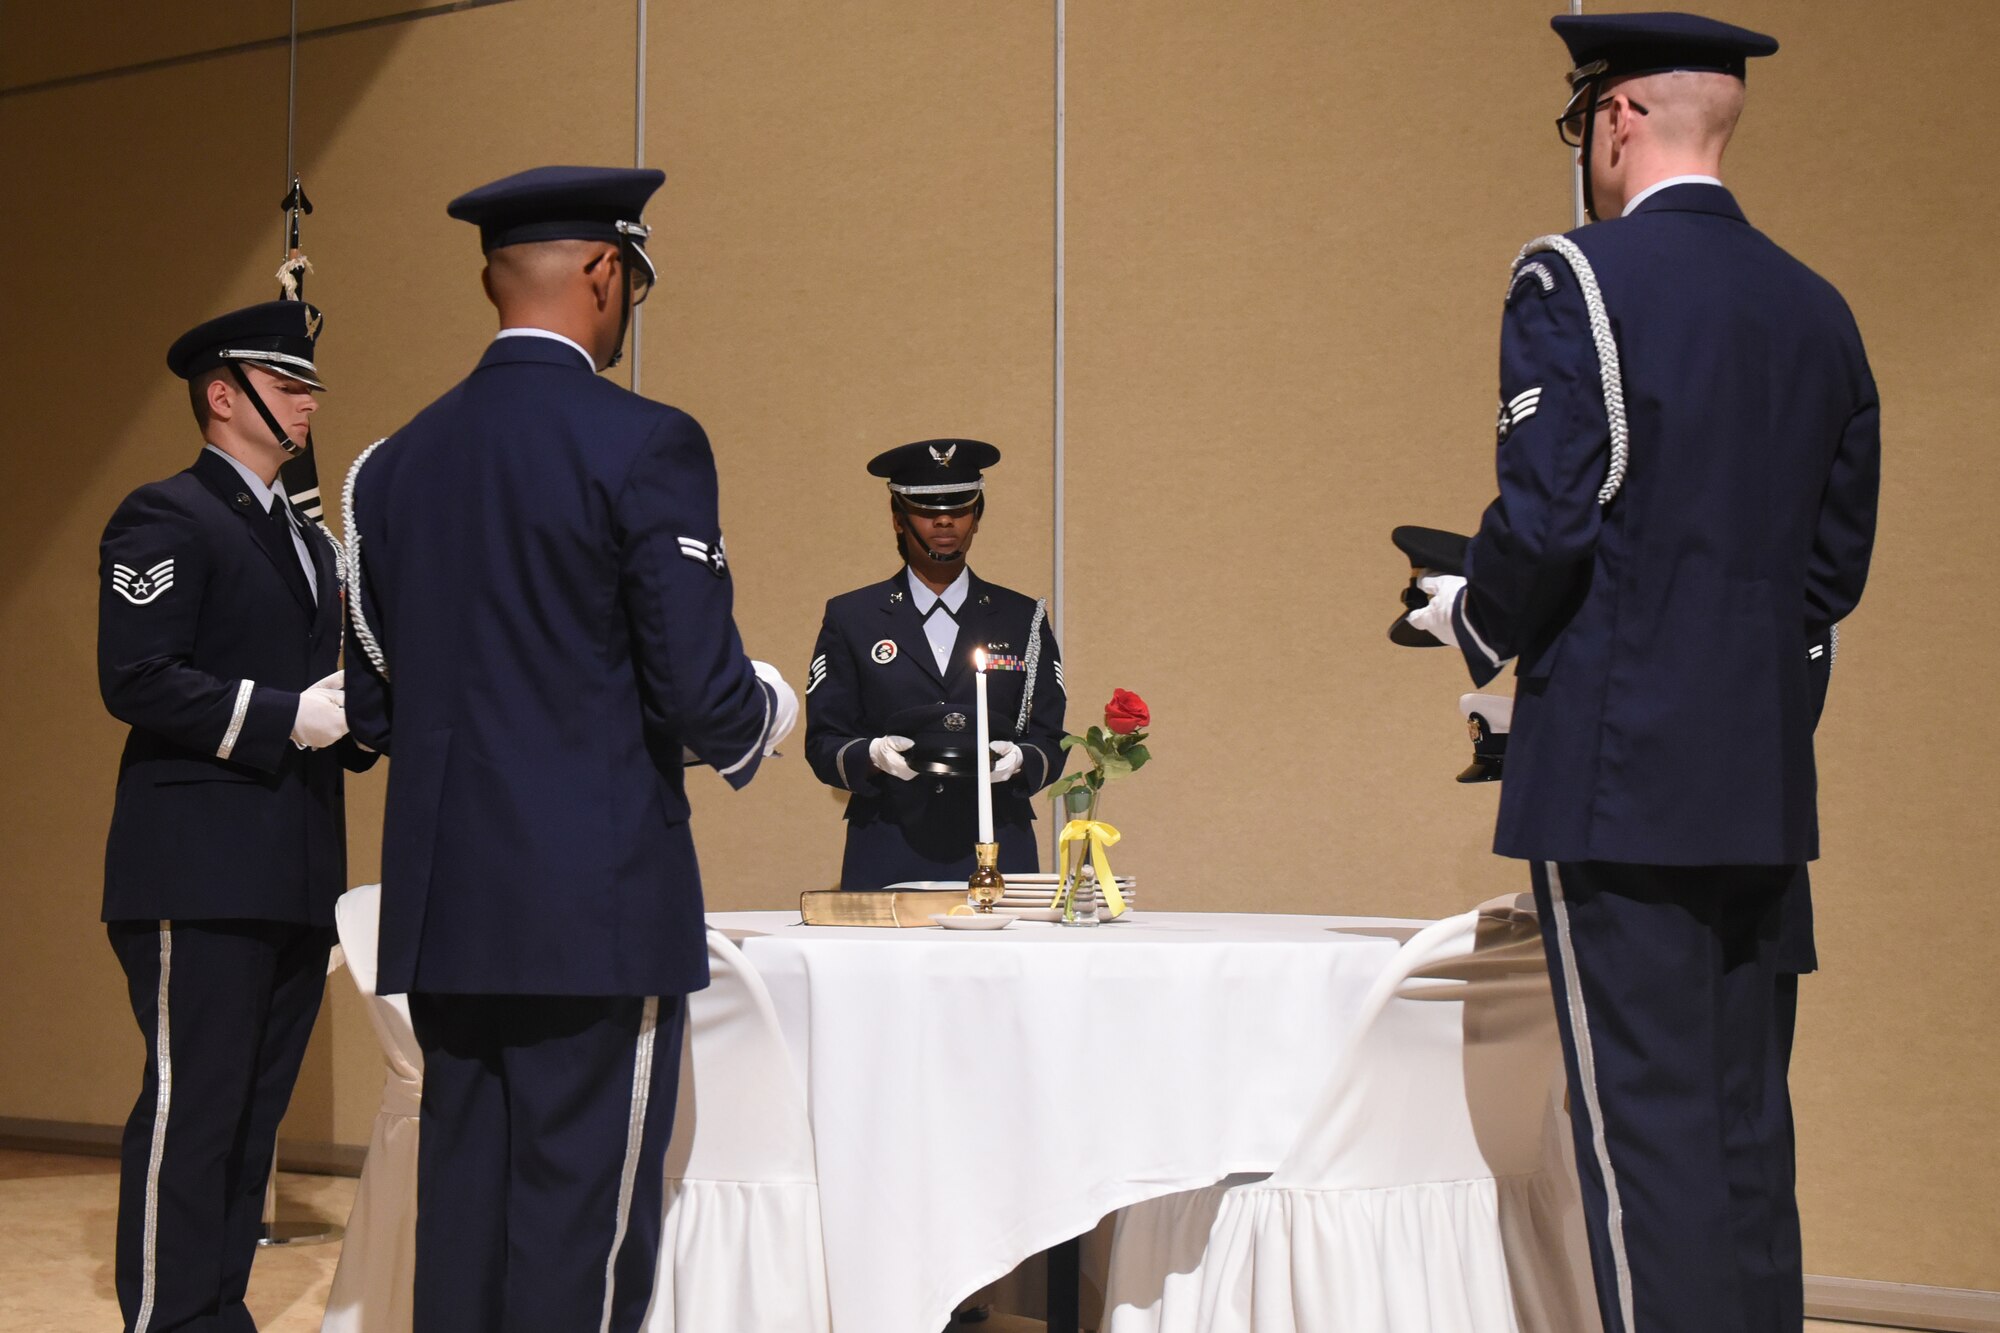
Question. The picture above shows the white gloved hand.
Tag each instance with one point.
(337, 682)
(784, 707)
(886, 753)
(1006, 760)
(1435, 618)
(321, 719)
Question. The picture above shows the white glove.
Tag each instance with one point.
(337, 682)
(1006, 760)
(784, 707)
(1435, 617)
(886, 753)
(322, 717)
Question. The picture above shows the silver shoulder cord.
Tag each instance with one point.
(1034, 665)
(355, 614)
(1607, 352)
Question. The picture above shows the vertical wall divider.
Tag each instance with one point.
(638, 160)
(1058, 547)
(1577, 219)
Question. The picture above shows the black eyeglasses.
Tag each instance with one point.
(1570, 123)
(640, 275)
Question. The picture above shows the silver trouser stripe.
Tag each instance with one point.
(163, 1097)
(635, 1133)
(840, 762)
(763, 731)
(1586, 1068)
(242, 711)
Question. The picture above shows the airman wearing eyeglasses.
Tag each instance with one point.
(1689, 453)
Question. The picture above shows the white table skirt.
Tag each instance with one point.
(979, 1097)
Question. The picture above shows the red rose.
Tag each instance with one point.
(1126, 713)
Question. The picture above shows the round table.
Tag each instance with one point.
(977, 1097)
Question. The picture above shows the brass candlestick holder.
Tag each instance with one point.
(985, 886)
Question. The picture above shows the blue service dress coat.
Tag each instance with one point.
(542, 565)
(1664, 711)
(925, 828)
(207, 633)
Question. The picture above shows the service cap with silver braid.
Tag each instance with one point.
(936, 477)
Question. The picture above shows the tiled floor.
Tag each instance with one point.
(56, 1215)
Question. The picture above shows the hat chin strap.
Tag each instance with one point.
(624, 300)
(947, 558)
(1590, 137)
(278, 435)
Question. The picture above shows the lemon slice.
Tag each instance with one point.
(963, 909)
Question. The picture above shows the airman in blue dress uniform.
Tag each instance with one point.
(1688, 471)
(218, 637)
(543, 631)
(889, 695)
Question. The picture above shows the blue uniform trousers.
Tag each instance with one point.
(542, 1145)
(1668, 991)
(226, 1008)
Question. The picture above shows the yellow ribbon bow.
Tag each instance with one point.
(1094, 835)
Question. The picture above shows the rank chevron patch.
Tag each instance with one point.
(139, 589)
(715, 557)
(1516, 410)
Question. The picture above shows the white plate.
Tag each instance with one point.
(974, 920)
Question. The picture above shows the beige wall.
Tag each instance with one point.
(1289, 226)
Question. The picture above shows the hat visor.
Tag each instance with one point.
(289, 367)
(1481, 770)
(1405, 635)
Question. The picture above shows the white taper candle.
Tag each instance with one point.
(985, 747)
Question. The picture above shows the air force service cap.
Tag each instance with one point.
(936, 474)
(946, 738)
(559, 204)
(1431, 551)
(1609, 46)
(277, 336)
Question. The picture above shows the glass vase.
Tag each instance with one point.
(1077, 909)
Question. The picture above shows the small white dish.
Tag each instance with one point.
(974, 920)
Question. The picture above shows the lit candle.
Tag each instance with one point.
(985, 747)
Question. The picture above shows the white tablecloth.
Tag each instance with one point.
(979, 1097)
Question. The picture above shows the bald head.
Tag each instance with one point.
(1655, 127)
(539, 272)
(567, 287)
(1692, 111)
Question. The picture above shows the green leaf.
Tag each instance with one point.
(1139, 756)
(1096, 739)
(1070, 742)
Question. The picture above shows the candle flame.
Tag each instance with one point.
(979, 659)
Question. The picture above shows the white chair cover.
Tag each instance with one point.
(372, 1286)
(741, 1248)
(1431, 1192)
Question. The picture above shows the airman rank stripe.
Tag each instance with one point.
(715, 557)
(1517, 410)
(816, 673)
